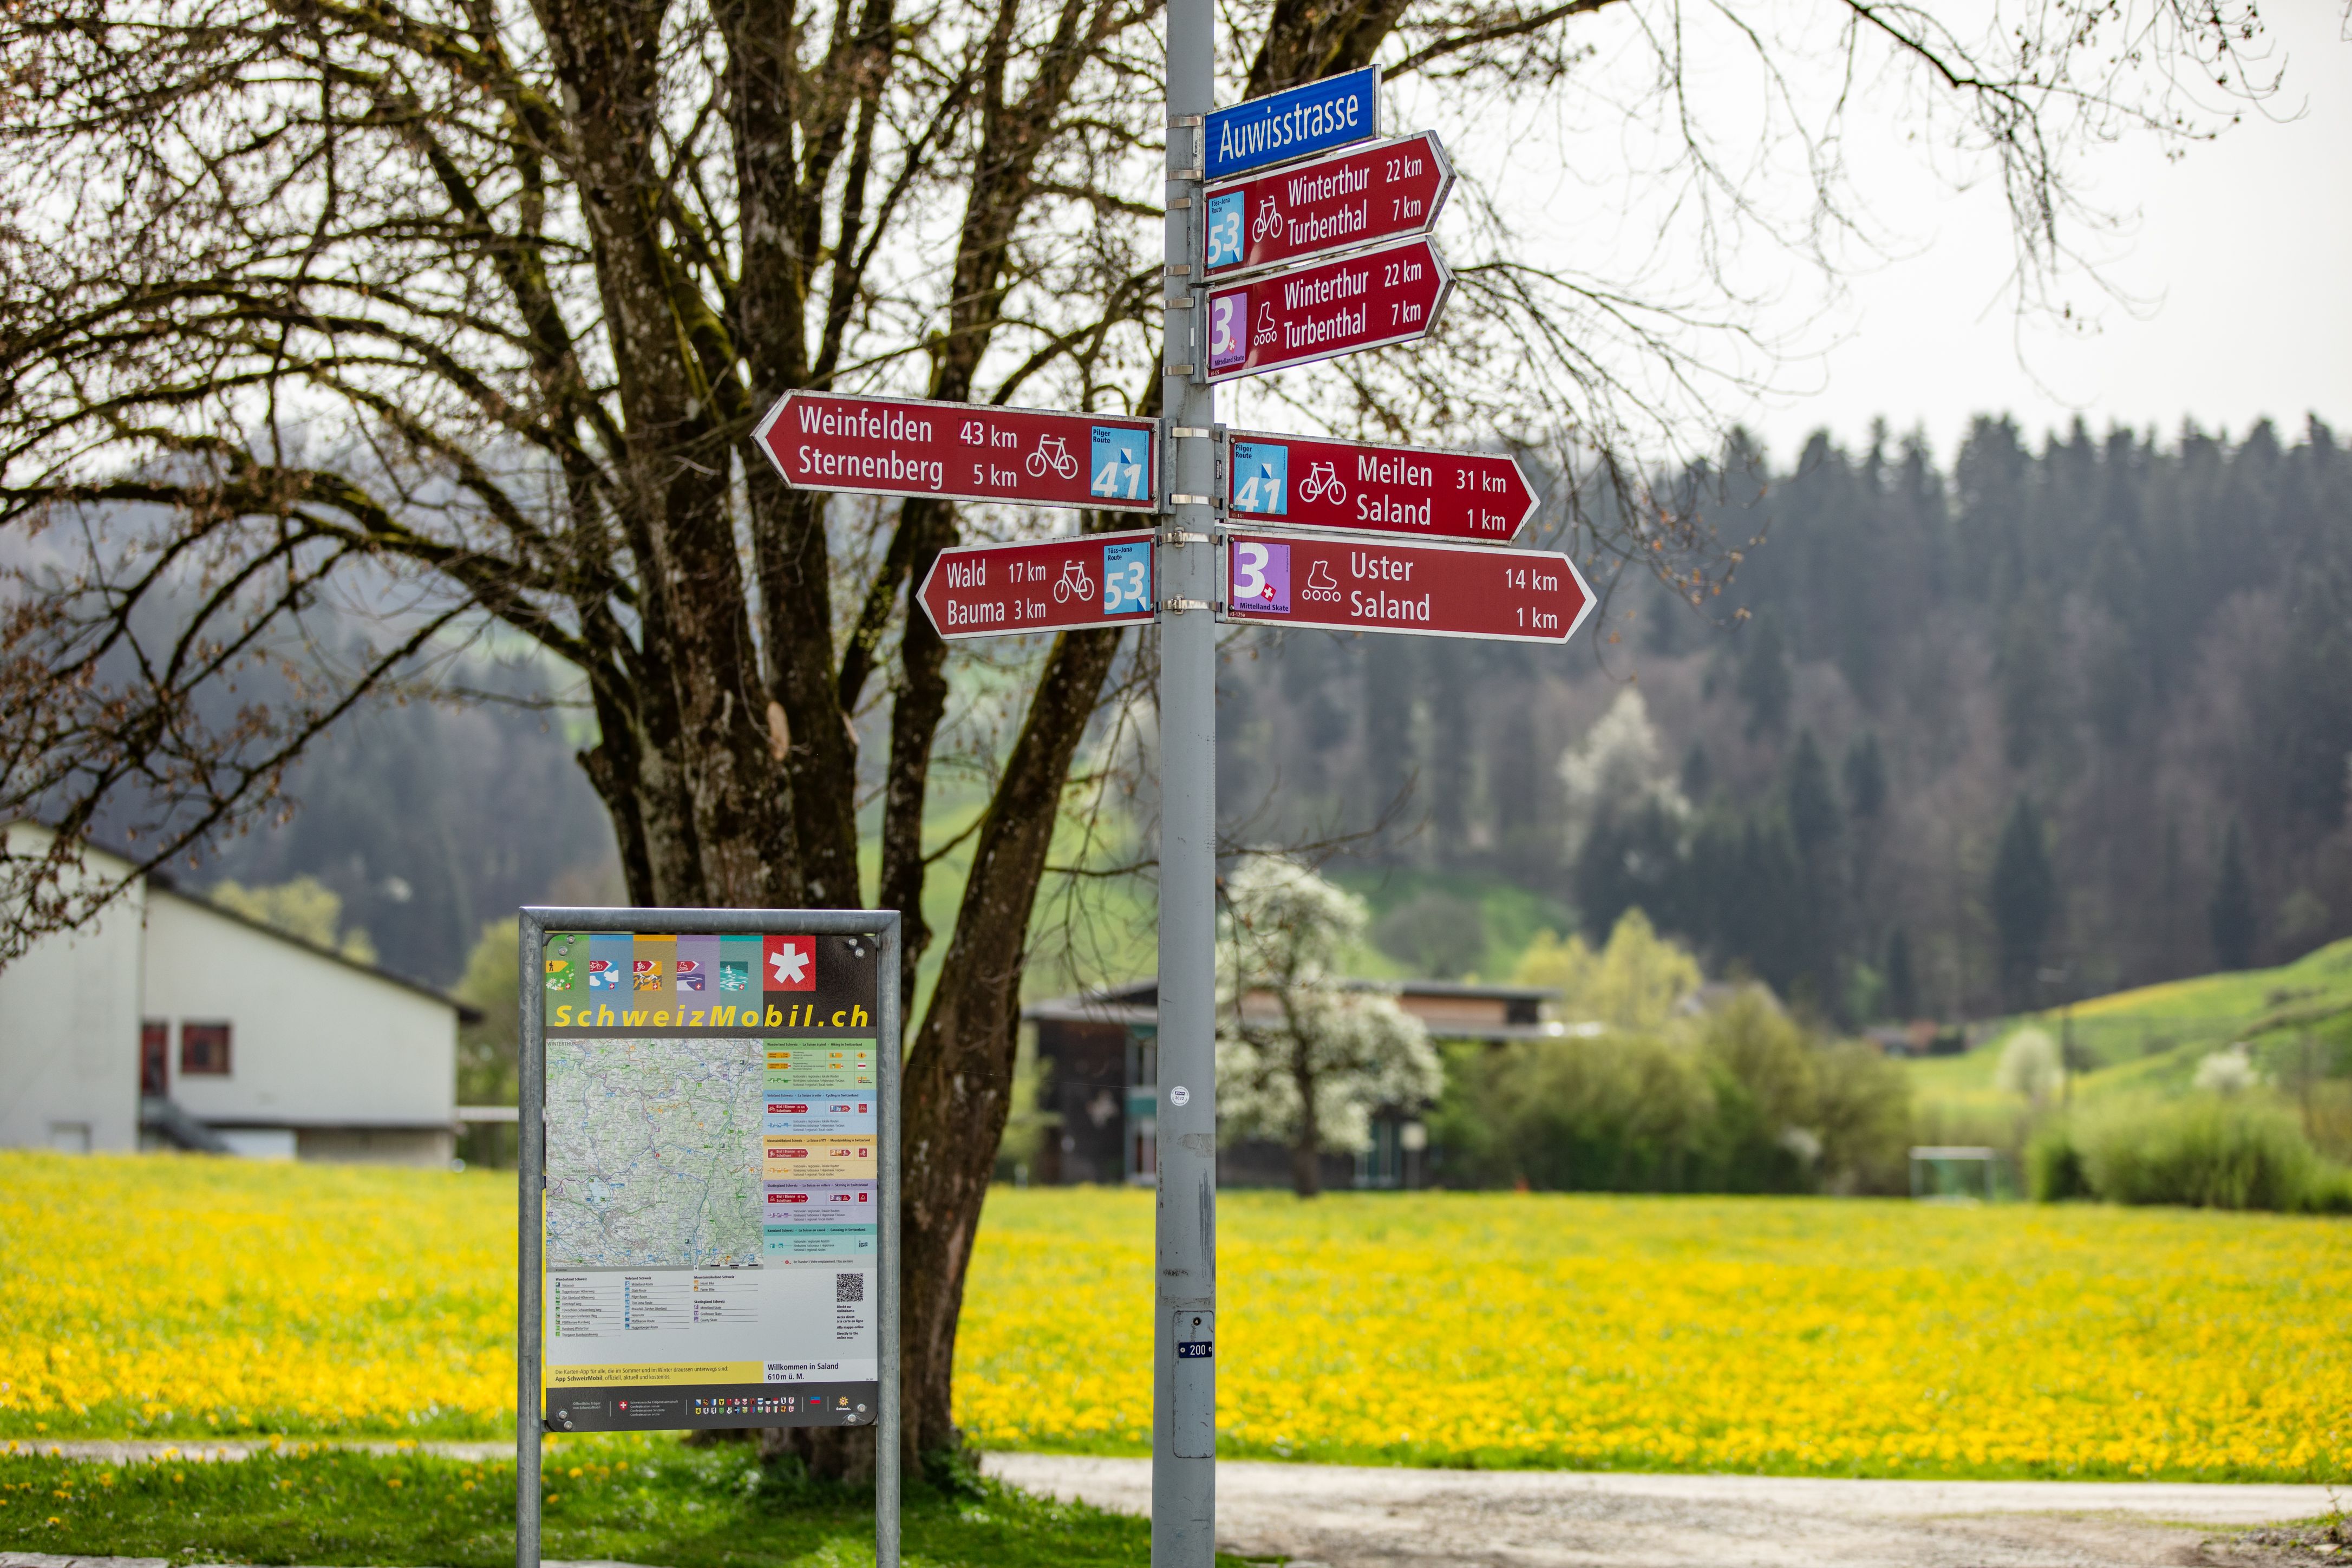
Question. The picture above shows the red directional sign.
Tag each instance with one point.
(1356, 198)
(1002, 590)
(1378, 585)
(1296, 482)
(961, 451)
(1391, 294)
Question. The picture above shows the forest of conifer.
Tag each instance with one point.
(2068, 715)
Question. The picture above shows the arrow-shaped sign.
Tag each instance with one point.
(1357, 197)
(1004, 590)
(1296, 482)
(961, 451)
(1380, 585)
(1373, 297)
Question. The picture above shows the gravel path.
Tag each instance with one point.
(1356, 1518)
(1335, 1516)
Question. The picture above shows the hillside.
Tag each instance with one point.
(2295, 1021)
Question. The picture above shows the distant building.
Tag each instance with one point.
(170, 1022)
(1098, 1071)
(1919, 1037)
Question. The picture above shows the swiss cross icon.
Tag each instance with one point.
(791, 964)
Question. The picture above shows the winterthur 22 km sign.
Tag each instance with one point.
(713, 1180)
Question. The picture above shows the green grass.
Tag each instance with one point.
(2149, 1041)
(2185, 1016)
(634, 1500)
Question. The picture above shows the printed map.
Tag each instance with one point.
(654, 1152)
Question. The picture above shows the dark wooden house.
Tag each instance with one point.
(1099, 1081)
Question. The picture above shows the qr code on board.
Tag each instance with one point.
(849, 1286)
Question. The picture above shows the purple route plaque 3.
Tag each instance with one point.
(1262, 577)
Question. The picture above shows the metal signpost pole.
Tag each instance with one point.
(530, 1164)
(887, 1431)
(1184, 1428)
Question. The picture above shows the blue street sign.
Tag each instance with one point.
(1293, 123)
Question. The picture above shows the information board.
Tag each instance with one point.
(713, 1177)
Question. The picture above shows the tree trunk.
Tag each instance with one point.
(1306, 1149)
(1305, 1168)
(959, 1080)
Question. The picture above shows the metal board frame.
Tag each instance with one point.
(534, 922)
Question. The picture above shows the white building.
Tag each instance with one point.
(169, 1021)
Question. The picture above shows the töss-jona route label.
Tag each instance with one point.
(1293, 481)
(1385, 191)
(961, 451)
(1437, 590)
(1389, 295)
(998, 589)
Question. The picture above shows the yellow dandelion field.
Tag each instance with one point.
(175, 1296)
(158, 1294)
(1785, 1335)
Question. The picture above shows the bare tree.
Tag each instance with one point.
(460, 313)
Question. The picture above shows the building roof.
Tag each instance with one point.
(467, 1012)
(163, 882)
(1092, 1007)
(1146, 993)
(1458, 990)
(1135, 1005)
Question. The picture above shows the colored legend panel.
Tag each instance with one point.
(819, 1203)
(821, 1160)
(789, 1241)
(820, 1115)
(815, 1067)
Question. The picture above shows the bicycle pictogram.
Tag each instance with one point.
(1052, 454)
(1268, 223)
(1074, 582)
(1322, 481)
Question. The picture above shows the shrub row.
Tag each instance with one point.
(2203, 1152)
(1743, 1100)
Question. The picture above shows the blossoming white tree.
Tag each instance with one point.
(1615, 771)
(1300, 1057)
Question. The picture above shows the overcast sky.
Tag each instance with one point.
(2241, 259)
